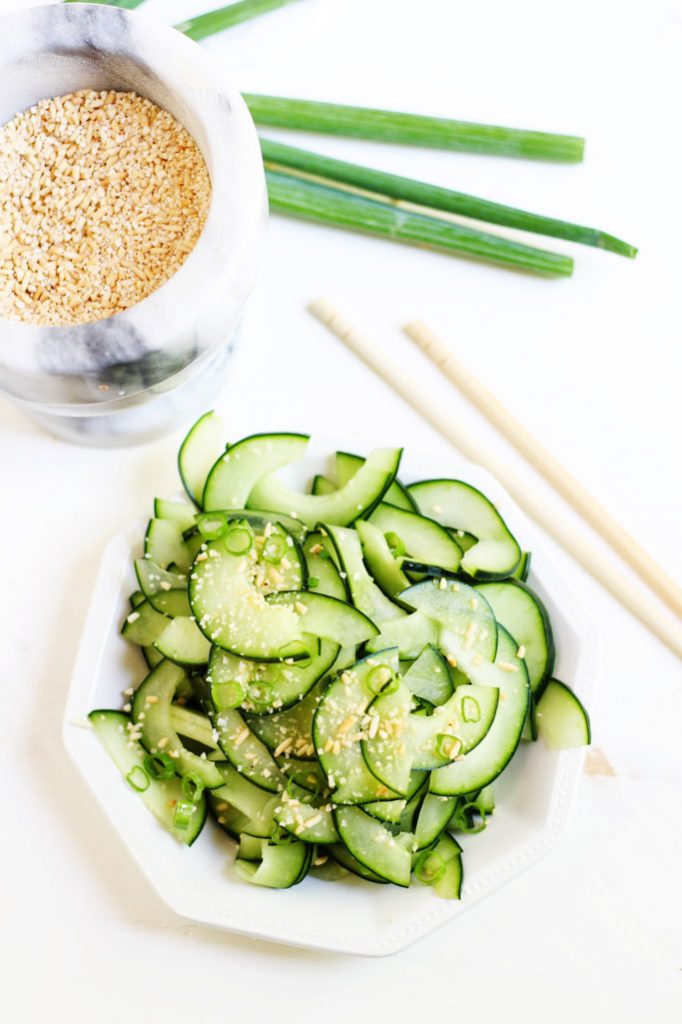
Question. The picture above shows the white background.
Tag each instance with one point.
(590, 364)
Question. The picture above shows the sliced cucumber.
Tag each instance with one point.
(562, 720)
(365, 594)
(460, 506)
(345, 859)
(488, 758)
(391, 811)
(163, 544)
(198, 452)
(337, 727)
(422, 539)
(523, 614)
(160, 796)
(428, 677)
(165, 591)
(347, 466)
(193, 726)
(523, 568)
(246, 752)
(374, 846)
(289, 732)
(256, 804)
(326, 617)
(143, 625)
(380, 560)
(280, 866)
(183, 642)
(411, 635)
(136, 598)
(269, 687)
(236, 472)
(151, 717)
(178, 512)
(458, 609)
(342, 507)
(322, 485)
(323, 576)
(386, 747)
(441, 868)
(454, 728)
(433, 818)
(307, 822)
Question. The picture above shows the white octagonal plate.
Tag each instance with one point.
(533, 795)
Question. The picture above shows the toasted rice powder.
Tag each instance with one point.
(103, 195)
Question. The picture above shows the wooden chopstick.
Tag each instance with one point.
(439, 415)
(548, 467)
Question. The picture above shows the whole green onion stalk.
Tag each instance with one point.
(411, 129)
(406, 190)
(312, 201)
(225, 17)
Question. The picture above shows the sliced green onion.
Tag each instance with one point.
(274, 549)
(471, 709)
(225, 17)
(192, 787)
(228, 694)
(138, 779)
(430, 867)
(418, 193)
(313, 582)
(447, 745)
(183, 814)
(238, 540)
(395, 543)
(326, 205)
(159, 766)
(382, 680)
(211, 526)
(261, 694)
(412, 129)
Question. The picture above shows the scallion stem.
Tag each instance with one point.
(300, 198)
(419, 193)
(412, 129)
(127, 5)
(225, 17)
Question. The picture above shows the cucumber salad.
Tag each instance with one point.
(335, 678)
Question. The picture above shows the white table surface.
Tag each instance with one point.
(591, 365)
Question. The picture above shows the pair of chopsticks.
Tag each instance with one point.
(632, 596)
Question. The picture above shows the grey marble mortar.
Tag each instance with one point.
(142, 372)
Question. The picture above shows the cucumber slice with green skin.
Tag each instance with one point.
(271, 687)
(466, 717)
(328, 870)
(364, 593)
(374, 846)
(424, 539)
(523, 614)
(386, 750)
(151, 716)
(152, 656)
(237, 471)
(347, 466)
(244, 750)
(346, 860)
(428, 677)
(322, 485)
(562, 721)
(488, 758)
(433, 819)
(410, 635)
(461, 611)
(411, 809)
(227, 594)
(194, 543)
(143, 625)
(323, 575)
(280, 866)
(193, 726)
(458, 505)
(523, 568)
(165, 591)
(306, 822)
(391, 811)
(340, 717)
(160, 796)
(198, 452)
(305, 774)
(380, 561)
(250, 847)
(183, 642)
(486, 799)
(289, 732)
(163, 544)
(214, 524)
(342, 507)
(254, 803)
(326, 617)
(227, 818)
(448, 865)
(178, 512)
(136, 598)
